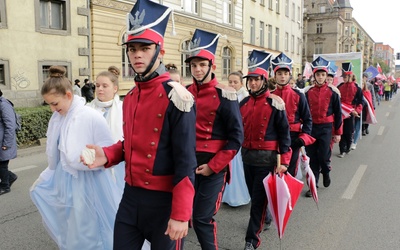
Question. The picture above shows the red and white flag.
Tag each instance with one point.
(379, 68)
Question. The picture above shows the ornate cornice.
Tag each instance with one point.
(113, 5)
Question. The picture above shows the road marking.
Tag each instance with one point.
(352, 187)
(387, 114)
(24, 168)
(381, 129)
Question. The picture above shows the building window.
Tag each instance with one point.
(298, 46)
(292, 44)
(252, 30)
(346, 30)
(298, 15)
(191, 6)
(3, 17)
(287, 8)
(4, 75)
(322, 9)
(53, 16)
(270, 3)
(185, 67)
(286, 41)
(270, 36)
(277, 38)
(318, 48)
(262, 2)
(44, 67)
(319, 28)
(348, 16)
(262, 34)
(277, 6)
(227, 11)
(293, 12)
(127, 70)
(346, 48)
(226, 62)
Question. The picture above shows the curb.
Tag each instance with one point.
(31, 150)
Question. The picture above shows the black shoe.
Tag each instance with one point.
(327, 180)
(308, 193)
(366, 131)
(248, 246)
(4, 190)
(13, 177)
(267, 225)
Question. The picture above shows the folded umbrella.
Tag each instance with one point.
(282, 193)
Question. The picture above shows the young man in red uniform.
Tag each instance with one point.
(159, 142)
(219, 135)
(266, 134)
(326, 112)
(296, 106)
(351, 96)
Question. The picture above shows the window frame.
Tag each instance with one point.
(41, 64)
(3, 14)
(270, 36)
(227, 18)
(226, 61)
(277, 6)
(126, 70)
(66, 16)
(192, 9)
(319, 28)
(252, 30)
(185, 67)
(6, 74)
(277, 39)
(262, 34)
(318, 48)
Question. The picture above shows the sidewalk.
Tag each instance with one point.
(31, 150)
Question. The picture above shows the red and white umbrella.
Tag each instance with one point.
(282, 193)
(310, 178)
(346, 110)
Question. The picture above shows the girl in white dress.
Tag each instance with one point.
(236, 193)
(108, 103)
(78, 205)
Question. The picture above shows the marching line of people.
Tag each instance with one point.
(137, 174)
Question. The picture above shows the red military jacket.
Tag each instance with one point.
(265, 124)
(218, 122)
(159, 142)
(297, 111)
(325, 107)
(351, 95)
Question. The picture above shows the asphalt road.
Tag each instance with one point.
(358, 211)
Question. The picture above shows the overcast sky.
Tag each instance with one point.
(378, 18)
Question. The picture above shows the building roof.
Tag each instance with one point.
(343, 3)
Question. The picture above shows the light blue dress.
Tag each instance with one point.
(236, 193)
(77, 205)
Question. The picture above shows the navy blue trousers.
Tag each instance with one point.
(207, 201)
(143, 214)
(320, 151)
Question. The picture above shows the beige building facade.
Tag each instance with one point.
(330, 28)
(274, 26)
(224, 17)
(36, 36)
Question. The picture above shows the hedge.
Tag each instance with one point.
(34, 125)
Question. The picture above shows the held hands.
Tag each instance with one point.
(99, 160)
(355, 114)
(177, 229)
(280, 169)
(336, 138)
(204, 170)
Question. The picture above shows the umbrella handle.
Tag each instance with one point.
(278, 162)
